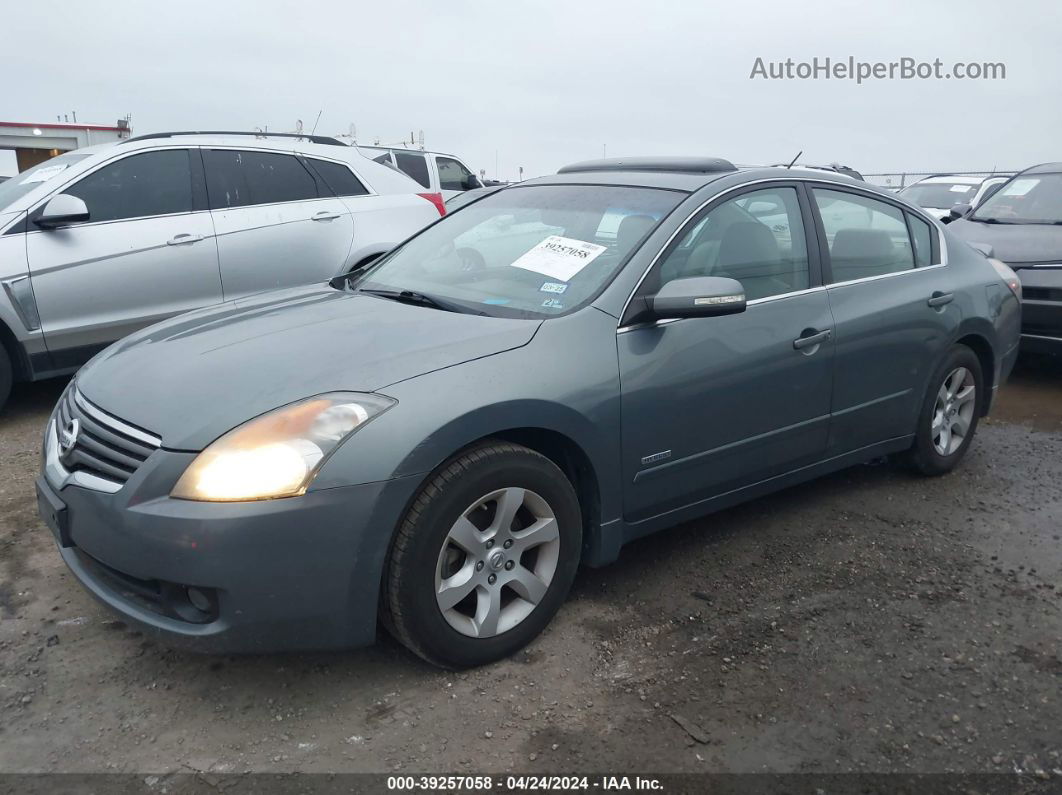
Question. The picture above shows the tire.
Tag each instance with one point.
(938, 445)
(7, 376)
(454, 533)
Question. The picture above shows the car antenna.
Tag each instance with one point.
(798, 154)
(317, 121)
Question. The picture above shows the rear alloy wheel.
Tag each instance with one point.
(484, 557)
(950, 411)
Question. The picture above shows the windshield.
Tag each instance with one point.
(23, 183)
(940, 195)
(1025, 200)
(535, 251)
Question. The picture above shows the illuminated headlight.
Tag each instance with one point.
(279, 453)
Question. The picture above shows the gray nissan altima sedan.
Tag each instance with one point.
(440, 440)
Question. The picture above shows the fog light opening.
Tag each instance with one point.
(199, 600)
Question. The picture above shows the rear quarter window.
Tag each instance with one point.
(338, 178)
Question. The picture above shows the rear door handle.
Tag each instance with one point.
(812, 339)
(324, 215)
(940, 299)
(180, 240)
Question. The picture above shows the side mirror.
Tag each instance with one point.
(956, 212)
(62, 210)
(472, 182)
(698, 296)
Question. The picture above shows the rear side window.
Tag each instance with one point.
(153, 183)
(238, 179)
(866, 237)
(415, 166)
(340, 179)
(922, 238)
(452, 175)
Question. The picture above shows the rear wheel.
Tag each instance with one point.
(950, 411)
(484, 558)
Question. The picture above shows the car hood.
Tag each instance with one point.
(1013, 243)
(192, 378)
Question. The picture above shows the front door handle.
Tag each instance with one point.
(182, 239)
(940, 299)
(324, 215)
(816, 338)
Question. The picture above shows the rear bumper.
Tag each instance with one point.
(273, 575)
(1041, 309)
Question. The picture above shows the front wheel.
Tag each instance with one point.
(950, 411)
(484, 557)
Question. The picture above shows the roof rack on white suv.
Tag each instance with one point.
(313, 139)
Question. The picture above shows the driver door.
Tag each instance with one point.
(712, 404)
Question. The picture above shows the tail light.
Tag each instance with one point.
(1008, 276)
(436, 199)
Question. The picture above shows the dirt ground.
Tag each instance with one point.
(871, 621)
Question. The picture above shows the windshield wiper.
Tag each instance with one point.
(420, 299)
(994, 221)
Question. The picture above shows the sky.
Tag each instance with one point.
(541, 84)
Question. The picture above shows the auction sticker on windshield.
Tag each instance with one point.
(559, 257)
(44, 174)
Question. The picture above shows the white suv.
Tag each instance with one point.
(101, 241)
(434, 171)
(938, 194)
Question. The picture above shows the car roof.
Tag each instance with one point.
(653, 173)
(1044, 168)
(379, 148)
(957, 179)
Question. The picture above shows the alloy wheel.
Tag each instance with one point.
(953, 411)
(497, 562)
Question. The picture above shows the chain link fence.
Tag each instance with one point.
(897, 180)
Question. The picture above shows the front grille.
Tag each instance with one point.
(1042, 293)
(106, 447)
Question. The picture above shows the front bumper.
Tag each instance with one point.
(286, 574)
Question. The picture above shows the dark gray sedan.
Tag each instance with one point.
(441, 440)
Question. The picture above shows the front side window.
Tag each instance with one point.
(535, 251)
(239, 178)
(340, 179)
(756, 238)
(152, 183)
(866, 237)
(1033, 199)
(452, 175)
(415, 166)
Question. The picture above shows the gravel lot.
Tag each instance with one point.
(870, 621)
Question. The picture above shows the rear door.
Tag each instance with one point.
(146, 252)
(278, 223)
(892, 302)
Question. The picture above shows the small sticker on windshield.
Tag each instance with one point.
(496, 301)
(1019, 187)
(43, 174)
(960, 188)
(552, 303)
(559, 257)
(552, 287)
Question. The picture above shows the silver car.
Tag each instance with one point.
(100, 242)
